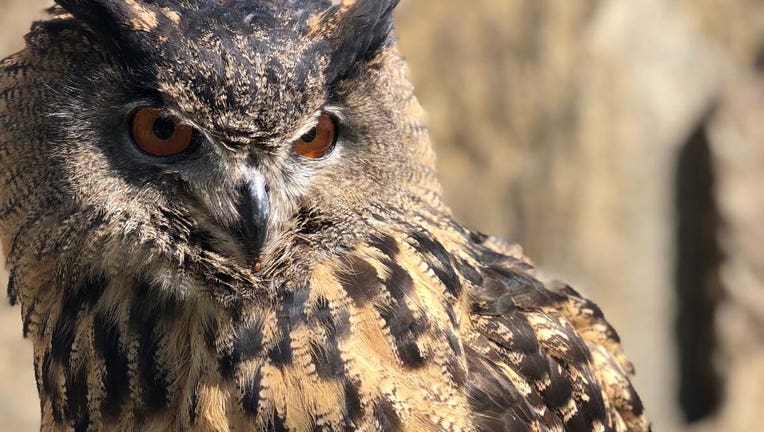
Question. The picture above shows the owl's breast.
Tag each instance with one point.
(369, 342)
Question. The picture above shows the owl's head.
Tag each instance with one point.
(131, 129)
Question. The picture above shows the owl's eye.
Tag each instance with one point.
(160, 134)
(320, 141)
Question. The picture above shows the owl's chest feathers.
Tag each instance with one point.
(368, 342)
(119, 357)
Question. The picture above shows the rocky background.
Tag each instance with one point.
(622, 142)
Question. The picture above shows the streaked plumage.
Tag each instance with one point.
(369, 308)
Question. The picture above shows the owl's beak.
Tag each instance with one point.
(253, 212)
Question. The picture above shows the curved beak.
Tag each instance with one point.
(254, 212)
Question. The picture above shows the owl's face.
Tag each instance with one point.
(232, 125)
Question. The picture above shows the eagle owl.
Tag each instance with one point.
(223, 215)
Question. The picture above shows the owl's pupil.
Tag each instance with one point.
(164, 128)
(310, 136)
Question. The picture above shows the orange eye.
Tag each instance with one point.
(160, 134)
(320, 141)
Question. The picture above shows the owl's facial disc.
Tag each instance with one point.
(254, 211)
(245, 118)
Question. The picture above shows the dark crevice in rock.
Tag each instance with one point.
(698, 285)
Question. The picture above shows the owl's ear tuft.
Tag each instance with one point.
(131, 24)
(356, 30)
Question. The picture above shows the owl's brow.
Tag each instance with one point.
(309, 124)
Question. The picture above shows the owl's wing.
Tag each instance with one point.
(541, 357)
(449, 331)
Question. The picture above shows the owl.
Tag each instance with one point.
(223, 215)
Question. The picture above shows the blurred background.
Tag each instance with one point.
(622, 143)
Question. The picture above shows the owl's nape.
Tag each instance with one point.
(223, 215)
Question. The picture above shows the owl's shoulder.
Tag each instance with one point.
(545, 344)
(466, 315)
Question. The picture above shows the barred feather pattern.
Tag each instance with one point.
(419, 328)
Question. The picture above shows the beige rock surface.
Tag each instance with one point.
(737, 146)
(559, 124)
